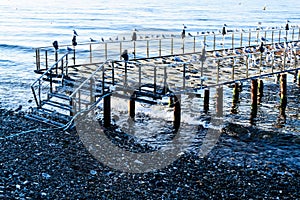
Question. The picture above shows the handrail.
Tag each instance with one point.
(38, 83)
(88, 78)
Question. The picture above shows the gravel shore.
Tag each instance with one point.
(52, 164)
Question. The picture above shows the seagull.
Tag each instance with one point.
(134, 35)
(261, 47)
(92, 40)
(287, 25)
(102, 39)
(124, 55)
(216, 54)
(74, 43)
(263, 39)
(75, 33)
(55, 45)
(183, 33)
(224, 30)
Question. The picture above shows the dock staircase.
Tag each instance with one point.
(62, 90)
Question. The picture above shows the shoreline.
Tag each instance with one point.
(54, 164)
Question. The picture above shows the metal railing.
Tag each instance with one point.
(45, 83)
(161, 45)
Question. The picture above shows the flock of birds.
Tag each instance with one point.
(184, 33)
(288, 49)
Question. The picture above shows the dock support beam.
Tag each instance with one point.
(260, 91)
(206, 100)
(219, 105)
(177, 113)
(235, 98)
(283, 97)
(107, 111)
(253, 99)
(131, 108)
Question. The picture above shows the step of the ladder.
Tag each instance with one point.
(57, 105)
(59, 96)
(44, 120)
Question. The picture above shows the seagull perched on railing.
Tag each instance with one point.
(287, 25)
(75, 33)
(224, 30)
(55, 45)
(134, 37)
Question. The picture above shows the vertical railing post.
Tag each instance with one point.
(194, 44)
(172, 46)
(140, 77)
(67, 60)
(91, 54)
(218, 71)
(147, 48)
(39, 95)
(249, 38)
(247, 66)
(272, 38)
(232, 41)
(154, 89)
(46, 59)
(183, 77)
(37, 59)
(241, 41)
(159, 49)
(105, 50)
(279, 35)
(56, 58)
(113, 72)
(51, 86)
(214, 42)
(134, 49)
(121, 50)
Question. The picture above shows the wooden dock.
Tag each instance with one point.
(72, 85)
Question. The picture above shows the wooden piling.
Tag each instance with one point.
(219, 102)
(56, 58)
(241, 41)
(131, 107)
(206, 100)
(107, 111)
(260, 91)
(74, 56)
(283, 88)
(235, 98)
(254, 96)
(177, 113)
(159, 49)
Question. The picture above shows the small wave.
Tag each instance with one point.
(15, 47)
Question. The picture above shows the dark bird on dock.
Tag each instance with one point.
(287, 27)
(261, 47)
(75, 33)
(55, 45)
(134, 37)
(124, 55)
(102, 39)
(263, 39)
(224, 30)
(183, 34)
(74, 43)
(69, 49)
(184, 26)
(190, 34)
(92, 40)
(19, 108)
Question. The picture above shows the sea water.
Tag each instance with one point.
(25, 25)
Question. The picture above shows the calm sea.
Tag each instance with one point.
(25, 25)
